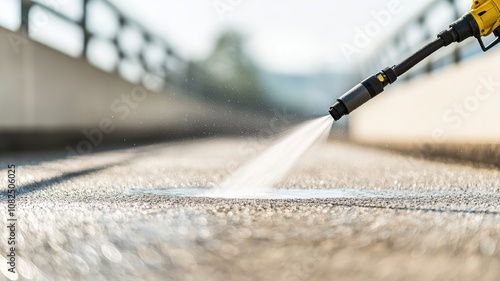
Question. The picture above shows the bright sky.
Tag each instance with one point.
(284, 35)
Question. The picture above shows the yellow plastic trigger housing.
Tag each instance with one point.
(487, 15)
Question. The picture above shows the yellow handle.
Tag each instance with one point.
(487, 15)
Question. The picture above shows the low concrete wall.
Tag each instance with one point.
(451, 113)
(46, 92)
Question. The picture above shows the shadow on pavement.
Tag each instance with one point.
(47, 183)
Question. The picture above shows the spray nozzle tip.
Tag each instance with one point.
(338, 110)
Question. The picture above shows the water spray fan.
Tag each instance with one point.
(482, 20)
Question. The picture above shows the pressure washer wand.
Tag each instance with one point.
(482, 20)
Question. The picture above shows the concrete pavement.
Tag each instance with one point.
(78, 218)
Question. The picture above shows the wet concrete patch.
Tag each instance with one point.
(297, 193)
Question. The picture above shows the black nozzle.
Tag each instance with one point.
(338, 110)
(357, 96)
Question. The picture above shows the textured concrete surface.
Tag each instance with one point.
(79, 220)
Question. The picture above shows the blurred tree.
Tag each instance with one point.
(227, 75)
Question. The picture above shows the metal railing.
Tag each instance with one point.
(159, 69)
(421, 23)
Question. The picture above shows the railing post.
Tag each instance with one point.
(83, 25)
(25, 9)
